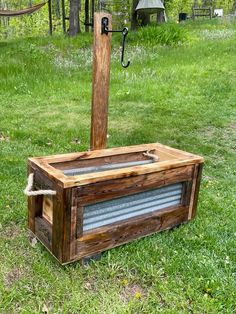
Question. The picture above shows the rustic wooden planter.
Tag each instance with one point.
(108, 197)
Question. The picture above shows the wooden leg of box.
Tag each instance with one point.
(64, 225)
(59, 237)
(195, 190)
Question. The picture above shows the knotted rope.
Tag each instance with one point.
(28, 190)
(154, 157)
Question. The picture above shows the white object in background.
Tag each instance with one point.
(218, 12)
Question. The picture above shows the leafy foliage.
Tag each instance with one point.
(165, 34)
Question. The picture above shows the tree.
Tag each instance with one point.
(134, 18)
(74, 27)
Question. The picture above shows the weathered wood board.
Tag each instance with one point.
(58, 221)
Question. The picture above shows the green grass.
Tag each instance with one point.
(180, 96)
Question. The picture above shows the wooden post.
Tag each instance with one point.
(101, 79)
(50, 16)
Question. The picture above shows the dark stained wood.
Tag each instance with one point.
(119, 158)
(76, 229)
(113, 235)
(43, 231)
(199, 169)
(186, 194)
(169, 159)
(61, 227)
(101, 79)
(35, 207)
(65, 238)
(114, 188)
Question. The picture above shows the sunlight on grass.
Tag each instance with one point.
(183, 96)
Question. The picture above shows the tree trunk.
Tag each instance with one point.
(161, 15)
(74, 28)
(86, 13)
(134, 18)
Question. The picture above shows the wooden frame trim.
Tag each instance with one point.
(107, 237)
(44, 164)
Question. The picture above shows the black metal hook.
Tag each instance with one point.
(124, 31)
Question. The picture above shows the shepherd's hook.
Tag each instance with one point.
(124, 33)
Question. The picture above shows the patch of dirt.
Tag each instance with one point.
(9, 232)
(4, 138)
(233, 126)
(132, 291)
(91, 285)
(14, 275)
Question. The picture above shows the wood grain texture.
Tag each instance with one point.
(168, 161)
(101, 81)
(111, 236)
(105, 160)
(195, 191)
(47, 212)
(115, 188)
(115, 151)
(35, 204)
(61, 227)
(43, 231)
(65, 238)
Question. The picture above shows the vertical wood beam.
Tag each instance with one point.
(35, 206)
(197, 175)
(61, 227)
(101, 80)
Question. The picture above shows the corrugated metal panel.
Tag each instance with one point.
(108, 212)
(84, 170)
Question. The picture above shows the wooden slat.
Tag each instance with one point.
(43, 231)
(107, 237)
(111, 152)
(76, 223)
(48, 208)
(195, 191)
(61, 227)
(90, 178)
(49, 173)
(115, 188)
(94, 162)
(35, 205)
(101, 80)
(174, 158)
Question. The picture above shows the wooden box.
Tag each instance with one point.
(108, 197)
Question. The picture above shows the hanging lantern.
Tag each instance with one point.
(150, 6)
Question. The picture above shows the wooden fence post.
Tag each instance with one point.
(101, 79)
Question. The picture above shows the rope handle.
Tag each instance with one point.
(154, 157)
(28, 190)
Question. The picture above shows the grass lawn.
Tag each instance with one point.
(182, 96)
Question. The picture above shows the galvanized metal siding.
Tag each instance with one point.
(108, 212)
(84, 170)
